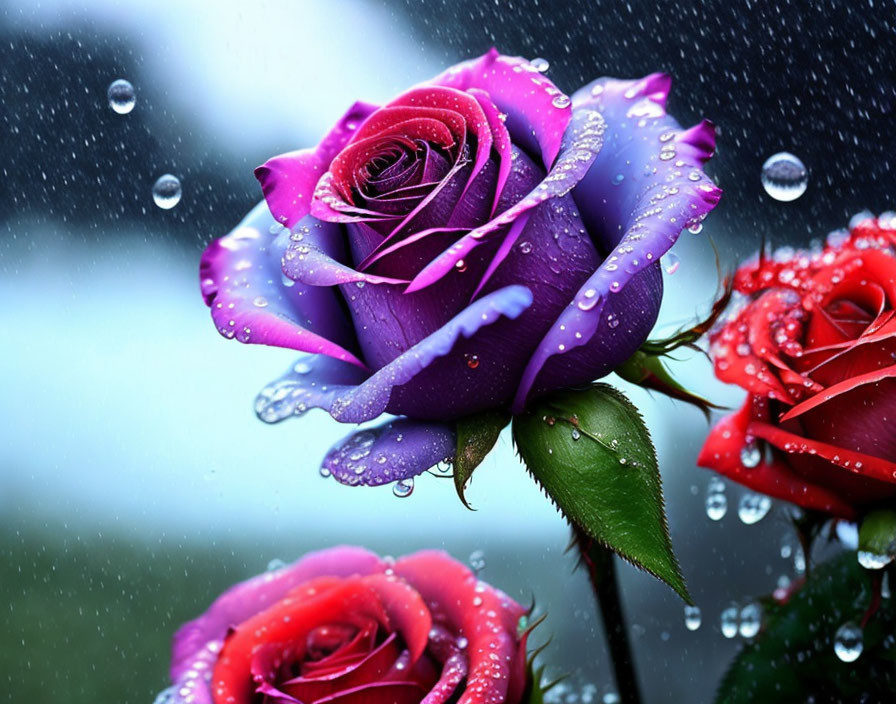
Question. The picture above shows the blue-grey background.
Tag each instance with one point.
(135, 482)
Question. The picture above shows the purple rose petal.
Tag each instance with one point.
(312, 382)
(242, 283)
(370, 398)
(288, 180)
(537, 111)
(644, 188)
(581, 145)
(391, 452)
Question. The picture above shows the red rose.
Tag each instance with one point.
(815, 347)
(343, 626)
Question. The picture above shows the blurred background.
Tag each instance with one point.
(135, 481)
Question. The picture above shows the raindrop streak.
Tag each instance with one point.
(122, 97)
(166, 191)
(848, 643)
(403, 488)
(750, 620)
(753, 508)
(784, 177)
(692, 617)
(728, 621)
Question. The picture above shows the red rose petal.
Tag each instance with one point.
(407, 612)
(721, 452)
(378, 693)
(833, 391)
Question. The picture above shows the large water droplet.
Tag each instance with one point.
(848, 643)
(753, 508)
(166, 696)
(671, 262)
(716, 501)
(784, 177)
(403, 488)
(477, 560)
(122, 97)
(561, 101)
(692, 617)
(750, 454)
(540, 65)
(873, 561)
(166, 191)
(750, 620)
(728, 621)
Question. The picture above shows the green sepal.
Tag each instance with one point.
(648, 371)
(476, 436)
(591, 452)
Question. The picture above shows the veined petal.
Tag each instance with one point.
(242, 283)
(288, 180)
(396, 450)
(645, 186)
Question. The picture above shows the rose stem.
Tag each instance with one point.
(601, 566)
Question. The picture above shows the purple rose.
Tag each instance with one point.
(482, 239)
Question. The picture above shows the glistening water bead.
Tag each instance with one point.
(716, 501)
(403, 488)
(692, 617)
(753, 508)
(122, 97)
(784, 176)
(848, 642)
(166, 191)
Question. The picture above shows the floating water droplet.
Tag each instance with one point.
(122, 97)
(692, 617)
(403, 488)
(750, 454)
(671, 262)
(750, 620)
(848, 643)
(325, 472)
(561, 101)
(611, 698)
(617, 179)
(784, 177)
(872, 560)
(728, 621)
(166, 191)
(539, 64)
(276, 564)
(477, 560)
(716, 501)
(753, 508)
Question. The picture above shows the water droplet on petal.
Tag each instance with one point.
(561, 101)
(540, 65)
(403, 488)
(872, 560)
(750, 454)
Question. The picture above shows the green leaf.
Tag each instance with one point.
(793, 658)
(592, 454)
(877, 535)
(476, 436)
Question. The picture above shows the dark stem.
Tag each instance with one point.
(601, 566)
